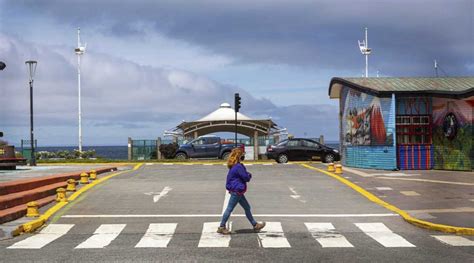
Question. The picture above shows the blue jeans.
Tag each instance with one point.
(234, 199)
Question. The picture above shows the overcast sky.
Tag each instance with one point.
(151, 64)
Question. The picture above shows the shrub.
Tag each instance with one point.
(168, 150)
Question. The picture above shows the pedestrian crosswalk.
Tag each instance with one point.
(159, 235)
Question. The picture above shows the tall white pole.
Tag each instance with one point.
(79, 87)
(366, 55)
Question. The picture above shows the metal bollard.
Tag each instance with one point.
(331, 167)
(84, 178)
(93, 175)
(61, 195)
(32, 209)
(338, 169)
(71, 185)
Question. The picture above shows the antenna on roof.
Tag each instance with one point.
(436, 67)
(365, 50)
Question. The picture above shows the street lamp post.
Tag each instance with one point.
(31, 64)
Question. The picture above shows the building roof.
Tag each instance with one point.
(457, 87)
(223, 120)
(224, 113)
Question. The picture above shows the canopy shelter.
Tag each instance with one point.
(223, 120)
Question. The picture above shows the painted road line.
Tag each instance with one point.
(382, 234)
(102, 236)
(326, 235)
(272, 236)
(157, 235)
(295, 195)
(210, 237)
(360, 173)
(167, 164)
(444, 210)
(44, 237)
(455, 241)
(426, 180)
(234, 215)
(267, 164)
(207, 164)
(163, 193)
(383, 188)
(248, 164)
(409, 193)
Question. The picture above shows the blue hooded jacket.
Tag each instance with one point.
(237, 179)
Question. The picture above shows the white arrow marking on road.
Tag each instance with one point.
(157, 196)
(295, 195)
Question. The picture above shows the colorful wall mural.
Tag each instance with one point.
(367, 130)
(364, 119)
(453, 133)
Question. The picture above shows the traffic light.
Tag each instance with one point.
(1, 134)
(237, 102)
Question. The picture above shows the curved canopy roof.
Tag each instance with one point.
(456, 87)
(223, 120)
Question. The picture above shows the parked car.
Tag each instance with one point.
(206, 147)
(301, 150)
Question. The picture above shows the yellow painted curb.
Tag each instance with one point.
(37, 223)
(402, 213)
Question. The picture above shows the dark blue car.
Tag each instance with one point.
(206, 147)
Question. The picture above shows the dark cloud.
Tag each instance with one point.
(406, 35)
(120, 98)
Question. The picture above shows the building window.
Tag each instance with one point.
(413, 129)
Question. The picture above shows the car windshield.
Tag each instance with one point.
(282, 143)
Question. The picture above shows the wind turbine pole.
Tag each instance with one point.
(366, 55)
(79, 51)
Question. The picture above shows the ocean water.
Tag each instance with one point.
(107, 152)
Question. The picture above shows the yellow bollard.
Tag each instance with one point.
(61, 195)
(331, 167)
(93, 175)
(71, 185)
(84, 178)
(338, 169)
(32, 209)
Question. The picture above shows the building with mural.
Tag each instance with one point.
(406, 123)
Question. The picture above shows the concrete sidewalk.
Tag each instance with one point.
(28, 172)
(443, 197)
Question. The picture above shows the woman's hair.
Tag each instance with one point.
(234, 157)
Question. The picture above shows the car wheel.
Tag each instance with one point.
(181, 156)
(329, 158)
(282, 158)
(225, 156)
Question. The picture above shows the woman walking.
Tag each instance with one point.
(236, 184)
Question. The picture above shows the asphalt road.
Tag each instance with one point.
(168, 213)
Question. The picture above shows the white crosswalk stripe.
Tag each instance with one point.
(455, 241)
(46, 236)
(326, 235)
(272, 236)
(157, 235)
(382, 234)
(210, 237)
(103, 236)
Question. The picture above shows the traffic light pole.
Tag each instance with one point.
(236, 129)
(236, 109)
